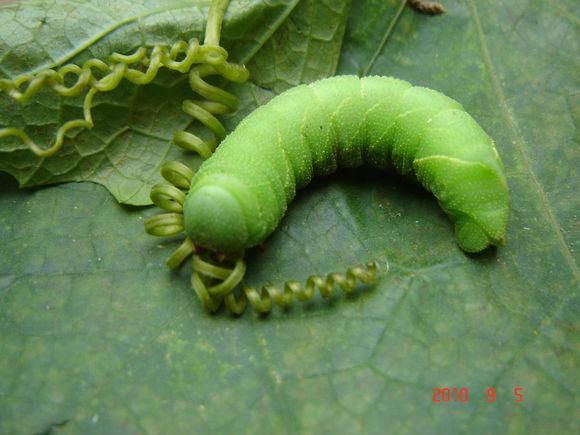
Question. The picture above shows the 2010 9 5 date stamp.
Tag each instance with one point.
(462, 395)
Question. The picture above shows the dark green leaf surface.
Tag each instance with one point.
(97, 336)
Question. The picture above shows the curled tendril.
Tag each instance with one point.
(177, 174)
(427, 7)
(211, 292)
(166, 224)
(170, 197)
(262, 301)
(180, 254)
(140, 68)
(218, 102)
(213, 283)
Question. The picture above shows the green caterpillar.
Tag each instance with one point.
(240, 194)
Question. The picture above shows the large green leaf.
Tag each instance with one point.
(134, 125)
(97, 336)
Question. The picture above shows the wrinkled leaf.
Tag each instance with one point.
(97, 336)
(305, 48)
(134, 124)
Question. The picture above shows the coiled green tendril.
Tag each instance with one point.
(212, 294)
(218, 102)
(215, 279)
(140, 68)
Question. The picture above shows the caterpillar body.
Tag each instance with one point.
(240, 194)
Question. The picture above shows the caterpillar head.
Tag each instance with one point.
(214, 219)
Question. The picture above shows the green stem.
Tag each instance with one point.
(215, 17)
